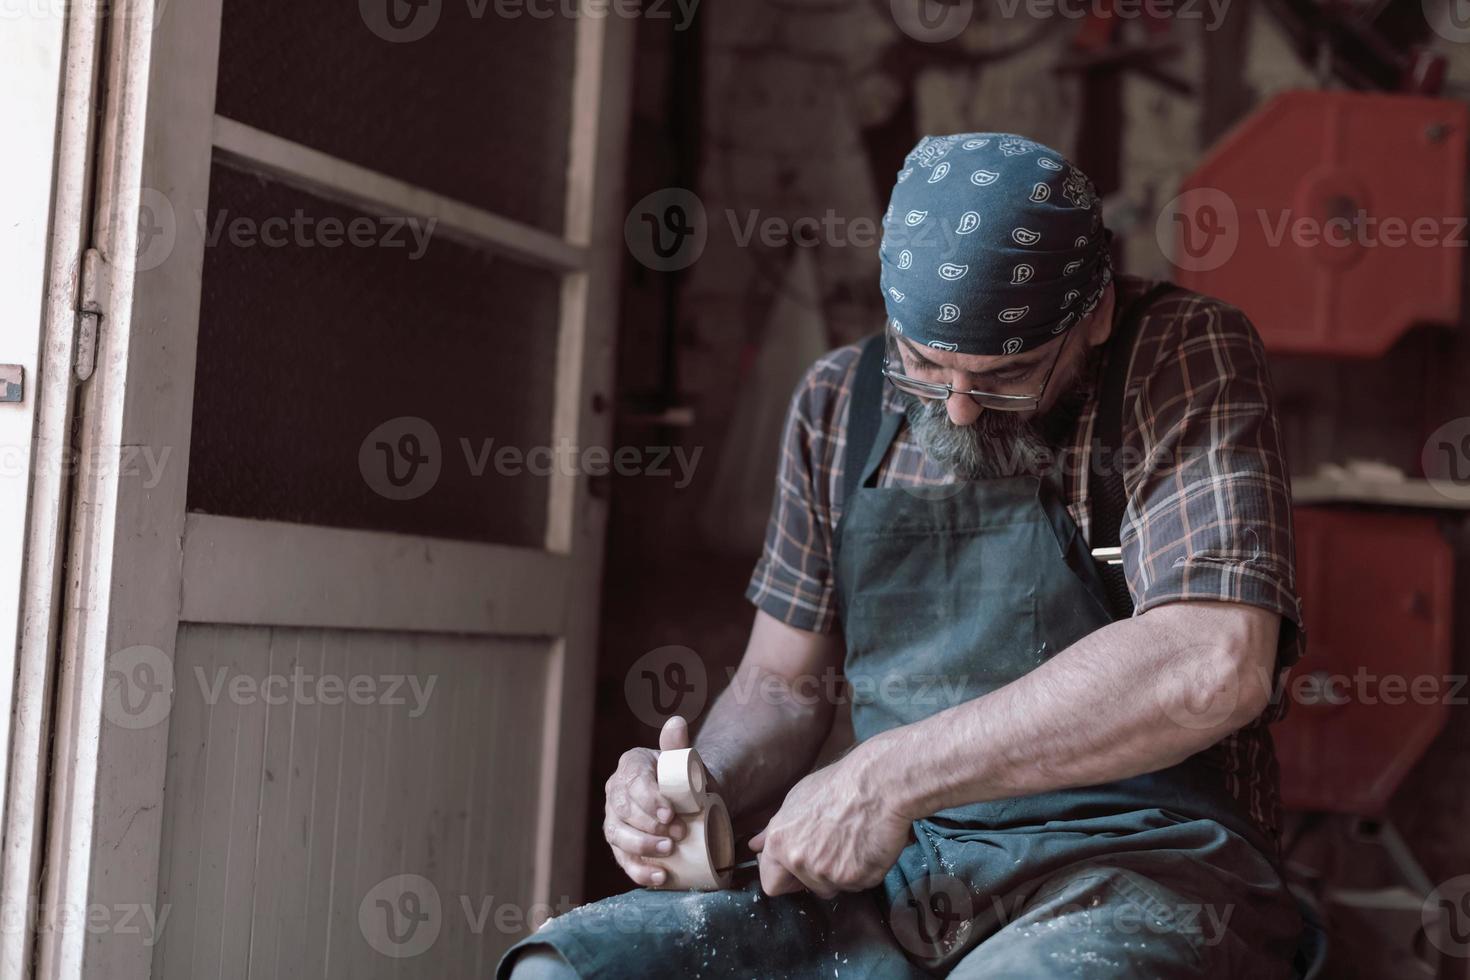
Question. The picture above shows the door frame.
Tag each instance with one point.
(53, 63)
(142, 565)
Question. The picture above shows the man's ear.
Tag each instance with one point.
(1099, 325)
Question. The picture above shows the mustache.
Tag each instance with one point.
(997, 444)
(1000, 444)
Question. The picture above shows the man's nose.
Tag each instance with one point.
(962, 409)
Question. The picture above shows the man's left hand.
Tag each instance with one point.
(837, 831)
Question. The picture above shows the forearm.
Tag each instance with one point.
(1136, 696)
(761, 736)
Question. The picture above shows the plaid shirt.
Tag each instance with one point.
(1208, 519)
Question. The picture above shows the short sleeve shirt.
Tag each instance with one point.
(1209, 495)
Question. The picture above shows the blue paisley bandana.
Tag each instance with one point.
(992, 244)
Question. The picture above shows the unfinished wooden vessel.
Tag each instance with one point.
(703, 860)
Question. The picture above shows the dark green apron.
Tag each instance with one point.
(949, 593)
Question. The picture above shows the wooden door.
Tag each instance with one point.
(326, 653)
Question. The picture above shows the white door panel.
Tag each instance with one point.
(287, 812)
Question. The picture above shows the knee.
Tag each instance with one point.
(541, 963)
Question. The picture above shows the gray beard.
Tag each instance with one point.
(999, 444)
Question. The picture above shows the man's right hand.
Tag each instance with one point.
(638, 822)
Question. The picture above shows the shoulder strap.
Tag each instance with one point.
(864, 413)
(1105, 483)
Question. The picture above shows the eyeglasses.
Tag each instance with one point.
(893, 371)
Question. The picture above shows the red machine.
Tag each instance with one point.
(1377, 595)
(1332, 195)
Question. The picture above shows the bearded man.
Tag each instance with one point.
(1042, 525)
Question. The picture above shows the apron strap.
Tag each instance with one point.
(864, 415)
(1105, 484)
